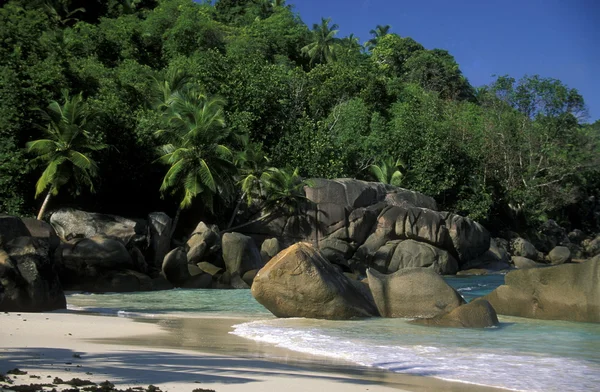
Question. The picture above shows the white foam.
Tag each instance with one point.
(500, 367)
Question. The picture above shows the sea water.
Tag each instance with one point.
(521, 354)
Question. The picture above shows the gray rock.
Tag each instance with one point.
(69, 224)
(28, 281)
(469, 239)
(99, 253)
(199, 281)
(159, 225)
(413, 292)
(522, 247)
(476, 314)
(299, 282)
(576, 236)
(175, 267)
(11, 227)
(413, 254)
(564, 292)
(240, 254)
(524, 262)
(559, 255)
(422, 225)
(494, 259)
(123, 281)
(269, 248)
(209, 268)
(43, 231)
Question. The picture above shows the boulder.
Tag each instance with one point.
(382, 257)
(422, 225)
(11, 227)
(202, 242)
(413, 254)
(299, 282)
(559, 255)
(549, 235)
(249, 276)
(159, 225)
(175, 267)
(43, 231)
(576, 236)
(69, 224)
(473, 272)
(413, 293)
(209, 268)
(524, 262)
(269, 248)
(495, 258)
(240, 254)
(199, 281)
(522, 247)
(361, 222)
(591, 246)
(28, 281)
(563, 292)
(476, 314)
(123, 281)
(469, 239)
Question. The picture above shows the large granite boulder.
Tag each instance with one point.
(240, 254)
(413, 254)
(159, 225)
(269, 249)
(522, 247)
(42, 231)
(469, 239)
(28, 281)
(496, 258)
(563, 292)
(422, 225)
(203, 243)
(70, 224)
(523, 262)
(476, 314)
(299, 282)
(175, 267)
(11, 227)
(559, 255)
(412, 293)
(121, 281)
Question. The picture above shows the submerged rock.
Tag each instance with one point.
(299, 282)
(412, 292)
(476, 314)
(563, 292)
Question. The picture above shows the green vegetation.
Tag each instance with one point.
(238, 93)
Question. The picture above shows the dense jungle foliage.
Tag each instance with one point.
(132, 106)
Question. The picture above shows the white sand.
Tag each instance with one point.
(59, 344)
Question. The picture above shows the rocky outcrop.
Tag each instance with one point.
(159, 226)
(359, 225)
(71, 224)
(476, 314)
(28, 281)
(204, 242)
(563, 292)
(240, 255)
(523, 262)
(299, 282)
(175, 267)
(523, 248)
(11, 227)
(412, 293)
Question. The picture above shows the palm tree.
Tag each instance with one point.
(389, 171)
(378, 32)
(59, 12)
(278, 191)
(324, 46)
(166, 87)
(200, 162)
(65, 152)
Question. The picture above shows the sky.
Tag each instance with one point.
(552, 38)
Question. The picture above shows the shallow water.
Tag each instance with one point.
(521, 354)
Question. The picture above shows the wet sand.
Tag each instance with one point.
(181, 354)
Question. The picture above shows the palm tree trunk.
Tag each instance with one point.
(175, 221)
(45, 204)
(260, 218)
(235, 211)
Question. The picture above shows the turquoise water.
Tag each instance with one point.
(521, 354)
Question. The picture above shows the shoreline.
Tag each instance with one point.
(181, 354)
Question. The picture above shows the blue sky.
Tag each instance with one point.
(552, 38)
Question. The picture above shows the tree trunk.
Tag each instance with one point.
(235, 211)
(247, 223)
(45, 204)
(175, 220)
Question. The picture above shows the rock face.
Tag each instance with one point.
(359, 225)
(413, 292)
(11, 227)
(240, 254)
(476, 314)
(175, 267)
(159, 225)
(28, 281)
(299, 282)
(564, 292)
(70, 224)
(522, 247)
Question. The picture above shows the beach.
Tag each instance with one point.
(132, 353)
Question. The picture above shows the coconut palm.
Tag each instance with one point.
(389, 171)
(377, 33)
(66, 150)
(324, 46)
(278, 191)
(166, 87)
(201, 164)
